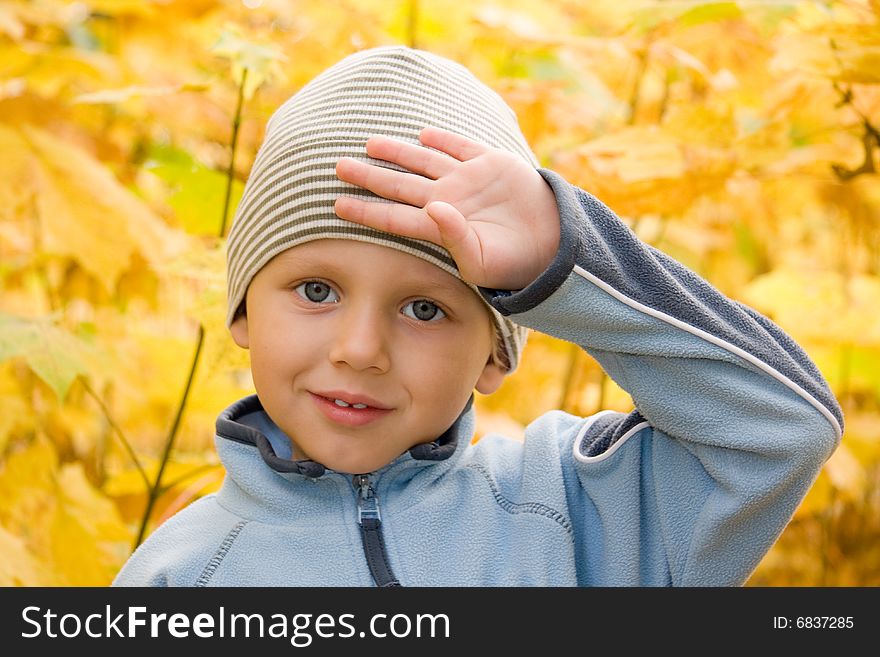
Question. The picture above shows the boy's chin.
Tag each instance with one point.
(352, 464)
(358, 466)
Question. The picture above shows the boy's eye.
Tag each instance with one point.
(316, 292)
(423, 310)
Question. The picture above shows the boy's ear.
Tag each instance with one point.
(239, 331)
(491, 378)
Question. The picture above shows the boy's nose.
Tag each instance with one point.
(360, 341)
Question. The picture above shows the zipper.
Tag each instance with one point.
(370, 521)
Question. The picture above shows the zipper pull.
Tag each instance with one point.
(368, 503)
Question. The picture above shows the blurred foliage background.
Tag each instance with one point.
(742, 138)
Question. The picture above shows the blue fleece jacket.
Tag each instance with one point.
(732, 424)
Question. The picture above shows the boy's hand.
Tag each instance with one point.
(489, 208)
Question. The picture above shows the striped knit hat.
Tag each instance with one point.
(394, 91)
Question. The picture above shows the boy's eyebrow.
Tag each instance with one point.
(445, 282)
(449, 285)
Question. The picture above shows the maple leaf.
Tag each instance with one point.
(53, 353)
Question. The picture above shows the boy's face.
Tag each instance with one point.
(366, 325)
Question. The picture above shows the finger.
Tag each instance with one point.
(458, 146)
(414, 158)
(389, 217)
(457, 237)
(387, 183)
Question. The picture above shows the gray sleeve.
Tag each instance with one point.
(597, 243)
(732, 420)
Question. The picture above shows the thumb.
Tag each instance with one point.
(457, 237)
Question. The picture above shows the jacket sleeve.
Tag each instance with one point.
(732, 420)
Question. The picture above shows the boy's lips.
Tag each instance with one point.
(352, 398)
(347, 413)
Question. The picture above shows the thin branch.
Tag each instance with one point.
(412, 21)
(637, 86)
(570, 375)
(870, 136)
(188, 475)
(230, 172)
(603, 379)
(156, 489)
(117, 431)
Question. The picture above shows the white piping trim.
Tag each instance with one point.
(708, 337)
(608, 452)
(583, 430)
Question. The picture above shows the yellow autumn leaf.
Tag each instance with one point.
(701, 124)
(15, 413)
(184, 493)
(54, 73)
(88, 539)
(846, 474)
(863, 435)
(72, 531)
(643, 169)
(842, 52)
(498, 423)
(23, 475)
(202, 269)
(261, 62)
(535, 386)
(86, 214)
(134, 8)
(112, 96)
(817, 499)
(18, 567)
(128, 482)
(54, 354)
(47, 13)
(17, 170)
(87, 505)
(521, 26)
(10, 23)
(819, 305)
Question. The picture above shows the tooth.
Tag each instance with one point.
(359, 405)
(339, 402)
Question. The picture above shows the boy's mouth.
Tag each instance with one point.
(349, 410)
(339, 402)
(352, 400)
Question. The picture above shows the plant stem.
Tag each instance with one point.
(412, 20)
(826, 522)
(156, 489)
(568, 385)
(117, 431)
(844, 371)
(640, 74)
(600, 402)
(230, 172)
(188, 475)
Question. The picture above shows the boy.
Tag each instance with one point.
(376, 293)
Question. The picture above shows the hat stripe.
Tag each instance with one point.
(362, 123)
(340, 88)
(360, 100)
(269, 173)
(423, 80)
